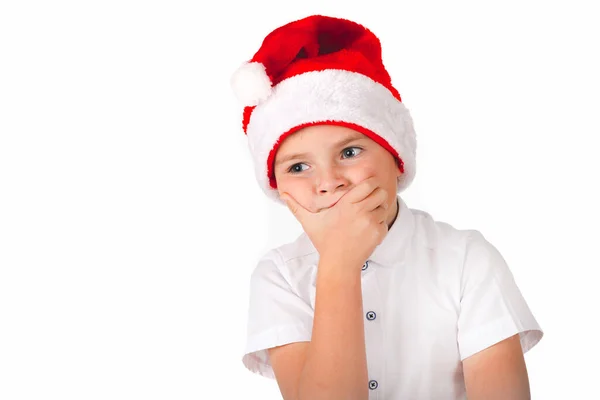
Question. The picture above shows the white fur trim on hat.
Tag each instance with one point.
(337, 95)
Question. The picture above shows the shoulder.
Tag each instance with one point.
(300, 248)
(439, 234)
(466, 249)
(288, 260)
(473, 255)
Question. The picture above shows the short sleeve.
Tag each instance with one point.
(276, 314)
(492, 307)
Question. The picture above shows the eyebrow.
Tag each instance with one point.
(305, 155)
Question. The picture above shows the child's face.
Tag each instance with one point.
(333, 160)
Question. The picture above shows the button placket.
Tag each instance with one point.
(372, 305)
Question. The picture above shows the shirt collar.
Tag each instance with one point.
(393, 248)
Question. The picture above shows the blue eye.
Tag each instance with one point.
(348, 151)
(293, 169)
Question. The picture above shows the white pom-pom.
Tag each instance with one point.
(251, 84)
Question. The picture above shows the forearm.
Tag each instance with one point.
(335, 366)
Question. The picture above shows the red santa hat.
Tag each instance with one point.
(321, 70)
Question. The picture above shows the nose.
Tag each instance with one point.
(330, 179)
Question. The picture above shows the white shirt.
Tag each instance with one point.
(432, 295)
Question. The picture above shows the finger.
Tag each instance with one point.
(377, 198)
(362, 190)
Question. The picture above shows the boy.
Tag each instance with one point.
(374, 300)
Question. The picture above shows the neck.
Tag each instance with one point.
(396, 212)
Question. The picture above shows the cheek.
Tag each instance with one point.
(299, 189)
(362, 171)
(386, 174)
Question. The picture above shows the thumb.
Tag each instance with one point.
(293, 205)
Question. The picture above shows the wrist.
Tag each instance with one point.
(341, 262)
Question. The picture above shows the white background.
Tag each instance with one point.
(130, 218)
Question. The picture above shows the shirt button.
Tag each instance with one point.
(373, 384)
(371, 315)
(365, 265)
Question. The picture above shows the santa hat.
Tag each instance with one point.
(321, 70)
